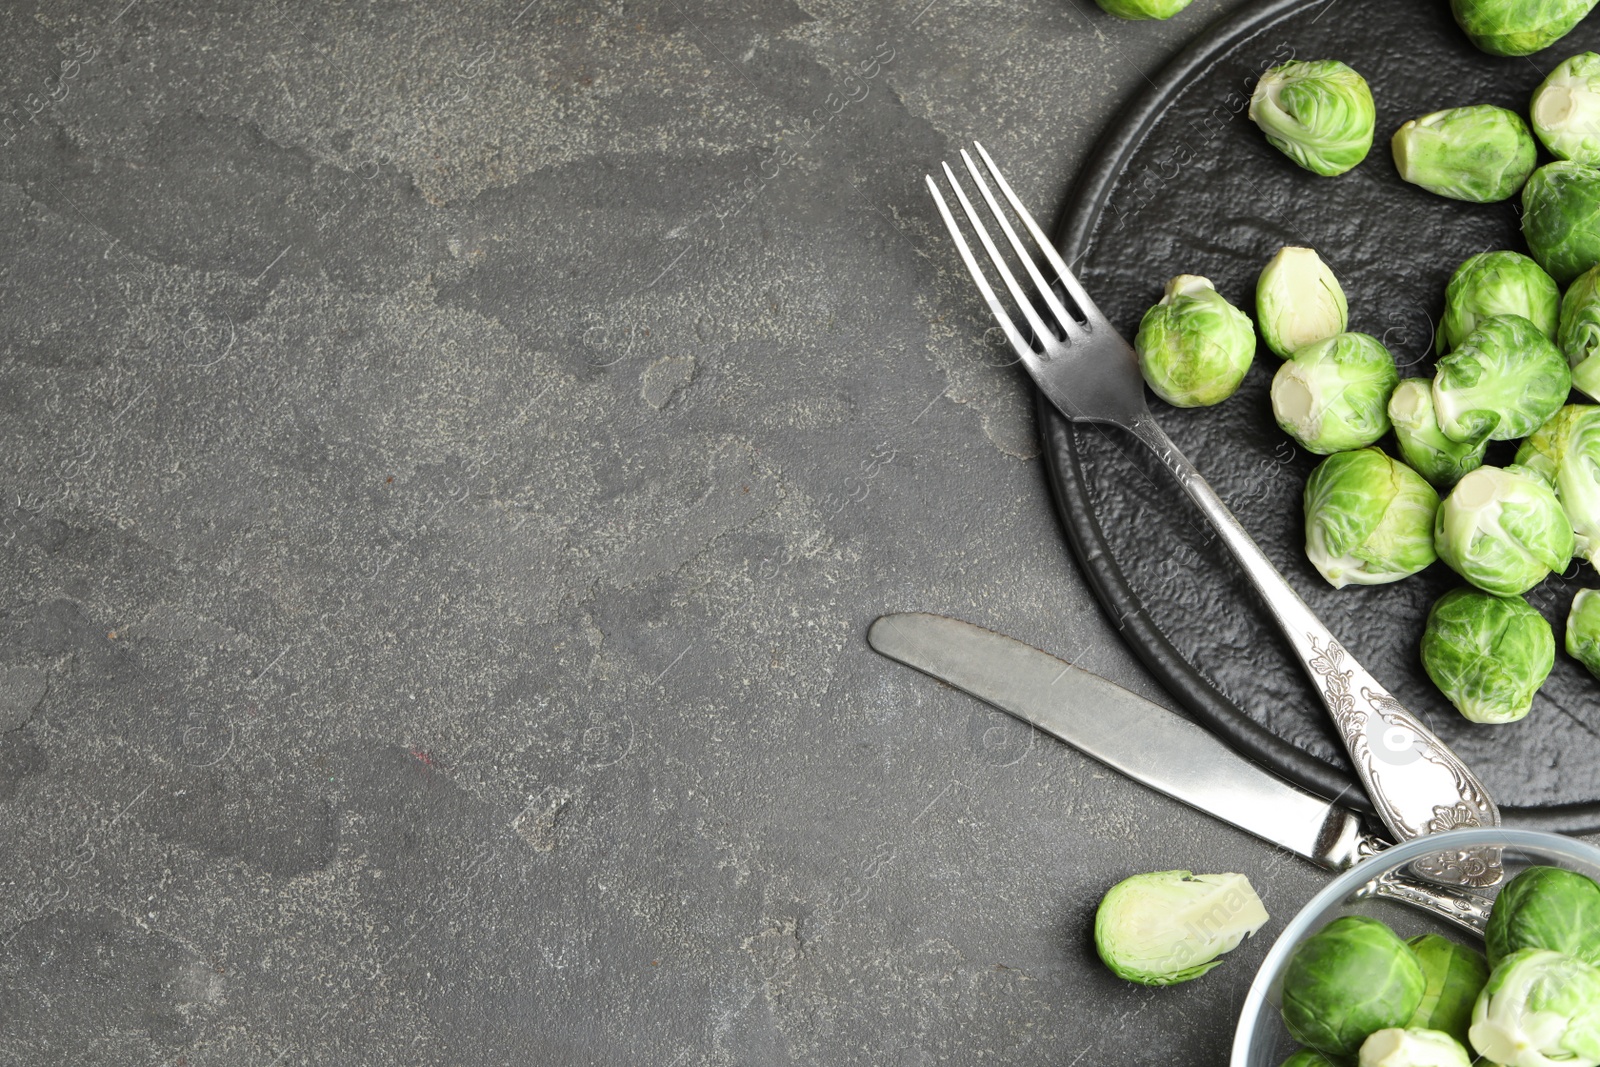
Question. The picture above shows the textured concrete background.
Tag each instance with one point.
(451, 460)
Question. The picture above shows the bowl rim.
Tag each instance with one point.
(1347, 882)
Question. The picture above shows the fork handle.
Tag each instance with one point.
(1416, 783)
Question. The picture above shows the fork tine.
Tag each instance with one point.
(999, 263)
(1068, 324)
(1022, 347)
(1068, 279)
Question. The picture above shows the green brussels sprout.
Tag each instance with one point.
(1422, 444)
(1480, 153)
(1299, 301)
(1194, 347)
(1565, 452)
(1369, 519)
(1540, 1008)
(1334, 395)
(1308, 1057)
(1503, 530)
(1319, 113)
(1143, 9)
(1497, 283)
(1579, 333)
(1549, 908)
(1487, 654)
(1518, 27)
(1566, 109)
(1583, 629)
(1347, 980)
(1560, 212)
(1501, 382)
(1415, 1047)
(1170, 926)
(1455, 975)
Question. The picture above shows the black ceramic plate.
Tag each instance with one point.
(1184, 183)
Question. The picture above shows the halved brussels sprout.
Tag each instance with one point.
(1480, 153)
(1422, 444)
(1579, 333)
(1565, 452)
(1319, 113)
(1501, 382)
(1299, 301)
(1170, 926)
(1334, 395)
(1455, 975)
(1418, 1047)
(1539, 1009)
(1503, 530)
(1194, 347)
(1369, 519)
(1497, 283)
(1583, 630)
(1518, 27)
(1347, 980)
(1487, 654)
(1143, 9)
(1561, 218)
(1549, 908)
(1566, 109)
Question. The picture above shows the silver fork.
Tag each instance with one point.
(1085, 368)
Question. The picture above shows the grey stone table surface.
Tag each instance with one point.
(452, 457)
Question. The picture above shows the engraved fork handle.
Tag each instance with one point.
(1416, 783)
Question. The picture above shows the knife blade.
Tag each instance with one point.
(1123, 730)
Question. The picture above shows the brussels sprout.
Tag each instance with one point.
(1319, 113)
(1298, 301)
(1334, 395)
(1369, 519)
(1480, 153)
(1502, 382)
(1549, 908)
(1579, 333)
(1194, 347)
(1455, 975)
(1347, 980)
(1561, 218)
(1170, 926)
(1503, 530)
(1540, 1008)
(1583, 629)
(1497, 283)
(1518, 27)
(1143, 9)
(1487, 654)
(1566, 109)
(1422, 444)
(1565, 452)
(1308, 1057)
(1417, 1047)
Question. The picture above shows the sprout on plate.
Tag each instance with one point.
(1194, 347)
(1170, 926)
(1299, 301)
(1539, 1009)
(1455, 975)
(1565, 452)
(1334, 395)
(1143, 9)
(1487, 654)
(1549, 908)
(1578, 336)
(1422, 444)
(1308, 1057)
(1518, 27)
(1319, 113)
(1480, 153)
(1501, 382)
(1369, 519)
(1497, 283)
(1415, 1047)
(1583, 629)
(1503, 530)
(1566, 109)
(1561, 218)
